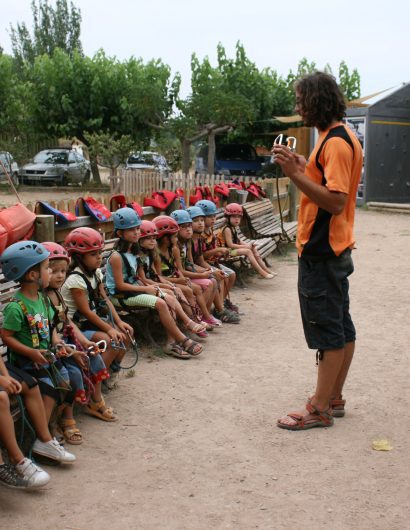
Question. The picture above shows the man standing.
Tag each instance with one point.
(328, 182)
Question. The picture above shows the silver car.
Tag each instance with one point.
(58, 166)
(11, 167)
(149, 160)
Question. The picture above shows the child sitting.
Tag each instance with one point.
(167, 247)
(196, 248)
(21, 472)
(148, 259)
(89, 307)
(79, 364)
(213, 253)
(184, 263)
(228, 237)
(127, 290)
(26, 333)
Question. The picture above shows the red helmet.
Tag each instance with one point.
(233, 209)
(165, 225)
(83, 240)
(56, 251)
(148, 228)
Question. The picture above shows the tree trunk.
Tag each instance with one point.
(211, 153)
(94, 169)
(186, 156)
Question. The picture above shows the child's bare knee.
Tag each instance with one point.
(4, 401)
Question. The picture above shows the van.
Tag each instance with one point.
(230, 160)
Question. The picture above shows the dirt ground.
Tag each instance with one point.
(197, 448)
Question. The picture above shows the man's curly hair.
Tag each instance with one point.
(320, 99)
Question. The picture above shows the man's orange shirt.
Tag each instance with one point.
(336, 162)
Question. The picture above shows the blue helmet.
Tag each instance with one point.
(208, 207)
(181, 216)
(125, 218)
(195, 211)
(20, 257)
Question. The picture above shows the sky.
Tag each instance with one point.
(371, 36)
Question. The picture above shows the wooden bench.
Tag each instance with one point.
(7, 291)
(263, 222)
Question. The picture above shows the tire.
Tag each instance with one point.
(64, 180)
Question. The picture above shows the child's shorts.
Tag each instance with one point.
(47, 386)
(98, 372)
(139, 300)
(21, 376)
(204, 283)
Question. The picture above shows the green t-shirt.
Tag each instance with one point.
(15, 320)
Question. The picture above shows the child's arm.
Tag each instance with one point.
(120, 284)
(188, 274)
(218, 251)
(230, 243)
(123, 326)
(15, 345)
(10, 385)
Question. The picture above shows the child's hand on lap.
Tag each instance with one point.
(10, 385)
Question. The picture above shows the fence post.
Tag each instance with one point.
(44, 228)
(292, 201)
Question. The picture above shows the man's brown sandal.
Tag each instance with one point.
(314, 418)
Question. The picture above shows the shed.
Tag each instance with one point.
(382, 124)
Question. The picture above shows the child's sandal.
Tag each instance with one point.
(193, 348)
(196, 327)
(174, 350)
(70, 431)
(99, 410)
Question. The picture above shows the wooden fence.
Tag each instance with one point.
(140, 184)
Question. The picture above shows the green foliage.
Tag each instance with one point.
(53, 28)
(77, 95)
(349, 82)
(110, 150)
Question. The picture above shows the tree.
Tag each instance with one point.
(53, 28)
(75, 95)
(109, 149)
(232, 96)
(349, 82)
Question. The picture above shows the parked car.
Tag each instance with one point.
(230, 160)
(149, 160)
(58, 166)
(11, 166)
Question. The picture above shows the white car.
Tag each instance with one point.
(11, 167)
(149, 160)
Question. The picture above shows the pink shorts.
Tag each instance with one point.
(203, 282)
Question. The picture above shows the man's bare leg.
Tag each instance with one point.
(344, 370)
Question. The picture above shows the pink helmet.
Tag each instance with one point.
(148, 228)
(83, 240)
(56, 251)
(165, 225)
(233, 209)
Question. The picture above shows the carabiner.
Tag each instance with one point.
(277, 141)
(291, 143)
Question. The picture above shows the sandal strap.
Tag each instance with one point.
(326, 415)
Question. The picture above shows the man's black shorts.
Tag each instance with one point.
(324, 301)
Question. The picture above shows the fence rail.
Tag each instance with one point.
(143, 183)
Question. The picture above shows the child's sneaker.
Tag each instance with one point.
(34, 475)
(23, 476)
(228, 317)
(53, 450)
(230, 306)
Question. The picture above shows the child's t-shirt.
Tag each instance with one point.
(75, 281)
(15, 320)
